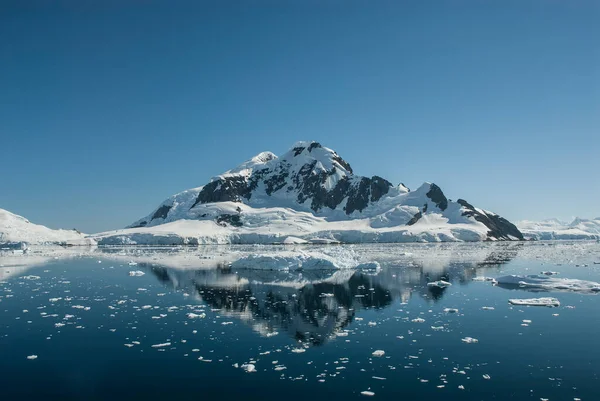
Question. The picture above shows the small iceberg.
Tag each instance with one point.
(551, 302)
(136, 273)
(378, 353)
(545, 283)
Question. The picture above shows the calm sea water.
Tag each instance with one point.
(78, 325)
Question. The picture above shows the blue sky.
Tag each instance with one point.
(109, 107)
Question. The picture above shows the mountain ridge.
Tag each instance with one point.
(310, 178)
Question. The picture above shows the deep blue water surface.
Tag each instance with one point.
(101, 334)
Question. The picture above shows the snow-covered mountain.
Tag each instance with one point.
(554, 229)
(16, 231)
(310, 194)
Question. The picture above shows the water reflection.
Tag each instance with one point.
(313, 306)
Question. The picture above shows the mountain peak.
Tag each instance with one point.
(312, 179)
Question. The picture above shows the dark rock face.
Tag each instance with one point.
(343, 163)
(161, 212)
(437, 196)
(379, 187)
(229, 189)
(415, 218)
(499, 227)
(314, 145)
(231, 219)
(308, 182)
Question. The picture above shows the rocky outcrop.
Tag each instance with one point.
(500, 228)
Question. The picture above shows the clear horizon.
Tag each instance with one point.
(110, 108)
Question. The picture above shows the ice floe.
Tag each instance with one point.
(545, 283)
(136, 273)
(552, 302)
(162, 345)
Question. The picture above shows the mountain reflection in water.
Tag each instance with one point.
(313, 306)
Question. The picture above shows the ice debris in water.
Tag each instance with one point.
(378, 353)
(249, 367)
(32, 357)
(418, 320)
(162, 345)
(367, 393)
(549, 273)
(548, 283)
(450, 310)
(440, 284)
(487, 377)
(298, 350)
(136, 273)
(552, 302)
(196, 315)
(470, 340)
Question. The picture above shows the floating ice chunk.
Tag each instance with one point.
(470, 340)
(487, 307)
(378, 353)
(298, 350)
(32, 357)
(132, 263)
(162, 345)
(367, 393)
(249, 367)
(418, 320)
(59, 324)
(535, 302)
(487, 377)
(549, 273)
(450, 310)
(534, 282)
(440, 284)
(461, 387)
(136, 273)
(196, 315)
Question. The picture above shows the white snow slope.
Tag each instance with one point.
(15, 229)
(308, 194)
(554, 229)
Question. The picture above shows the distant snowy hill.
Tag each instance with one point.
(310, 194)
(554, 229)
(16, 231)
